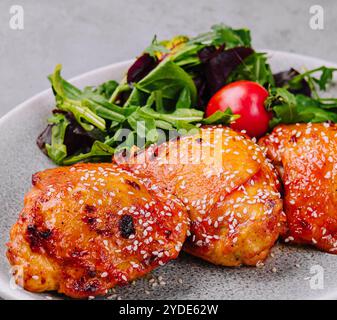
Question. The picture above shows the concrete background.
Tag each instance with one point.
(83, 34)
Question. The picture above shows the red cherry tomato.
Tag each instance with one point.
(245, 98)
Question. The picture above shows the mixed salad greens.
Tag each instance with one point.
(167, 90)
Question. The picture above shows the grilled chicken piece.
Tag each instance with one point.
(86, 228)
(306, 155)
(228, 187)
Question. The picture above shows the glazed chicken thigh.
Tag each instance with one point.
(89, 227)
(229, 189)
(306, 157)
(86, 228)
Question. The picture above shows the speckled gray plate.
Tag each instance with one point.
(289, 273)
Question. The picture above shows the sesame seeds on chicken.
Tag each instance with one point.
(87, 228)
(82, 234)
(229, 189)
(306, 157)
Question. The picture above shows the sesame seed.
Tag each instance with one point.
(328, 175)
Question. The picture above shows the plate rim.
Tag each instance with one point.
(21, 294)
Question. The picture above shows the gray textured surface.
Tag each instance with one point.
(84, 34)
(294, 266)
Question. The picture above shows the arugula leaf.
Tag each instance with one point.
(84, 116)
(315, 114)
(106, 89)
(99, 152)
(187, 55)
(101, 106)
(230, 37)
(187, 115)
(67, 100)
(159, 101)
(283, 103)
(57, 150)
(323, 81)
(170, 79)
(89, 108)
(326, 78)
(121, 88)
(221, 34)
(289, 108)
(328, 103)
(184, 100)
(254, 68)
(306, 82)
(145, 127)
(161, 124)
(323, 103)
(137, 98)
(156, 47)
(221, 117)
(183, 127)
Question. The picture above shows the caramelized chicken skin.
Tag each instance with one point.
(228, 188)
(306, 156)
(86, 228)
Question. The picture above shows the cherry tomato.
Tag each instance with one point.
(245, 98)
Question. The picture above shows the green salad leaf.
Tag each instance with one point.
(323, 81)
(221, 117)
(106, 89)
(156, 47)
(165, 92)
(57, 150)
(254, 68)
(89, 108)
(289, 108)
(99, 151)
(221, 34)
(170, 79)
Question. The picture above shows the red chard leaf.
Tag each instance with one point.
(141, 67)
(218, 64)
